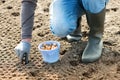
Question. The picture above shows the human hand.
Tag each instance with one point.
(22, 50)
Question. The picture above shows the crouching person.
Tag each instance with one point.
(65, 18)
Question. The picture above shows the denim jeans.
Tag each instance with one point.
(65, 13)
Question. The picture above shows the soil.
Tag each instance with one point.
(69, 67)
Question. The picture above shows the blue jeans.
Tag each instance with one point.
(65, 13)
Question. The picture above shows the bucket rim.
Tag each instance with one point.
(58, 45)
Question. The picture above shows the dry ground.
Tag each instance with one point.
(69, 67)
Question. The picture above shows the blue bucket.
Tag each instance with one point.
(50, 56)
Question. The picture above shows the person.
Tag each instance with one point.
(65, 16)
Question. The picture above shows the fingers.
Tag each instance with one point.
(22, 51)
(26, 58)
(23, 57)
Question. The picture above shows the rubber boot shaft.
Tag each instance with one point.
(94, 46)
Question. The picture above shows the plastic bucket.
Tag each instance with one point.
(50, 56)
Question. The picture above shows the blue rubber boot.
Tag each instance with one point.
(94, 46)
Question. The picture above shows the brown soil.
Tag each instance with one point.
(69, 67)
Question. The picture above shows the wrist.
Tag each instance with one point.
(27, 40)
